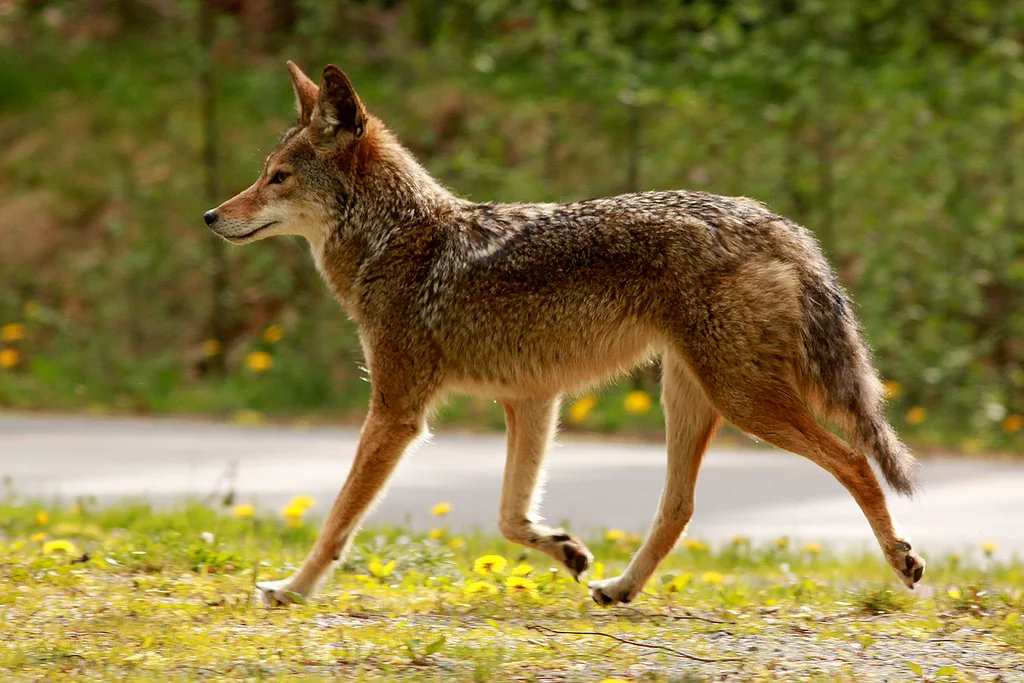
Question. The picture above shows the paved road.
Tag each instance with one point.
(592, 484)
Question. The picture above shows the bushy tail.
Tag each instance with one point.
(841, 380)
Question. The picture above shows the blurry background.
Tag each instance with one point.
(891, 129)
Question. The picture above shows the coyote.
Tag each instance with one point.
(524, 303)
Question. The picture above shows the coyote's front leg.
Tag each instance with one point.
(386, 435)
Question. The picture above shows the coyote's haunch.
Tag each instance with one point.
(526, 302)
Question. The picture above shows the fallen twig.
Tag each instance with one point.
(678, 653)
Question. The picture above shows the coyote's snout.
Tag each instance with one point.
(492, 299)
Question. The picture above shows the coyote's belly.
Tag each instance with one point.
(546, 360)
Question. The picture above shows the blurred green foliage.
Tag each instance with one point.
(891, 129)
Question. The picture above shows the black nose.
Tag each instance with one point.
(210, 217)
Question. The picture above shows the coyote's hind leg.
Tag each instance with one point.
(690, 423)
(530, 425)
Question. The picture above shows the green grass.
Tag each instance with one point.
(168, 595)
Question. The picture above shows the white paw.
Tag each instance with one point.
(608, 592)
(279, 593)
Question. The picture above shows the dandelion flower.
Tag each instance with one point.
(36, 538)
(892, 389)
(211, 347)
(294, 513)
(12, 332)
(441, 509)
(480, 587)
(521, 586)
(259, 361)
(615, 534)
(1013, 423)
(61, 546)
(522, 569)
(679, 583)
(740, 540)
(379, 569)
(9, 358)
(638, 402)
(782, 542)
(436, 533)
(456, 543)
(916, 415)
(42, 518)
(695, 545)
(489, 564)
(244, 510)
(581, 408)
(989, 548)
(953, 593)
(273, 334)
(713, 578)
(304, 500)
(613, 680)
(812, 548)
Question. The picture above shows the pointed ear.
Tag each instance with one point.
(339, 115)
(306, 93)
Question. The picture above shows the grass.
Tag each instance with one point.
(129, 592)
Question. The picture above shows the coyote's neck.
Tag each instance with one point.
(394, 193)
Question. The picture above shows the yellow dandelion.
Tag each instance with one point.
(441, 509)
(456, 543)
(294, 513)
(953, 593)
(211, 347)
(259, 361)
(679, 583)
(916, 415)
(695, 545)
(615, 534)
(1013, 423)
(9, 358)
(892, 389)
(36, 538)
(581, 408)
(244, 510)
(436, 533)
(379, 569)
(480, 587)
(740, 540)
(989, 548)
(32, 309)
(489, 564)
(12, 332)
(304, 500)
(273, 334)
(782, 542)
(247, 417)
(521, 586)
(613, 680)
(713, 578)
(522, 569)
(60, 546)
(42, 518)
(638, 402)
(812, 548)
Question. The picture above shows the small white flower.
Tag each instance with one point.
(207, 537)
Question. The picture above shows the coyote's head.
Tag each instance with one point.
(308, 180)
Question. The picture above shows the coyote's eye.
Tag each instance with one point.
(279, 177)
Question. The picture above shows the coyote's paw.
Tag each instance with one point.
(571, 552)
(608, 592)
(908, 564)
(279, 594)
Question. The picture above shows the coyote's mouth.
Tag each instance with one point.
(241, 238)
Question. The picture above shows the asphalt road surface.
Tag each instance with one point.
(592, 484)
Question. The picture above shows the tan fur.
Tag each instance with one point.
(526, 302)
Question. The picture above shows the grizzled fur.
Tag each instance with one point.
(526, 302)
